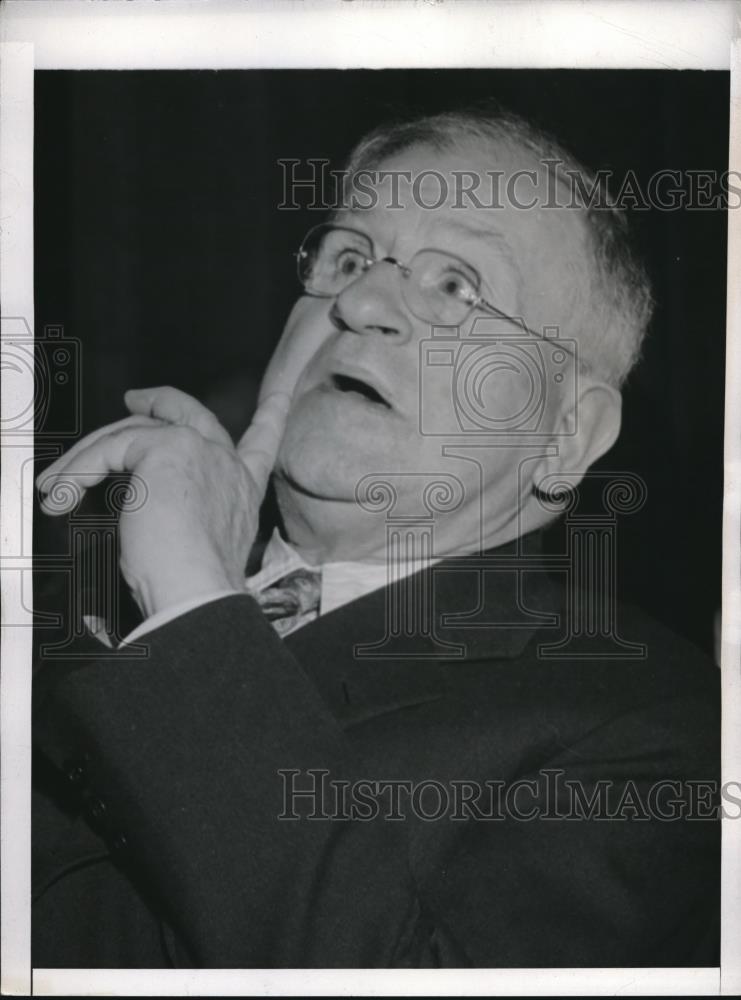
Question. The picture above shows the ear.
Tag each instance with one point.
(584, 431)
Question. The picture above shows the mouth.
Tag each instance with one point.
(357, 387)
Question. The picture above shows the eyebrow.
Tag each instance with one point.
(492, 239)
(479, 231)
(482, 234)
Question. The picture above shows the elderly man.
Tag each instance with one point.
(389, 747)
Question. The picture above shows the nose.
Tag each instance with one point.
(373, 303)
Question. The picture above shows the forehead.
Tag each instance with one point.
(483, 191)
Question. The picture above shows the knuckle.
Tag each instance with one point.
(207, 416)
(182, 437)
(119, 434)
(155, 389)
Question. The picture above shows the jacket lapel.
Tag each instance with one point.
(405, 644)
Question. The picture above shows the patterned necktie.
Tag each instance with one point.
(291, 599)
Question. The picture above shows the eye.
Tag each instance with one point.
(455, 284)
(349, 263)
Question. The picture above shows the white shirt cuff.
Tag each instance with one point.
(176, 611)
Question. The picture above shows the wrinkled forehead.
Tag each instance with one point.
(485, 180)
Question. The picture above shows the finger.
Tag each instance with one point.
(114, 452)
(259, 445)
(177, 407)
(59, 464)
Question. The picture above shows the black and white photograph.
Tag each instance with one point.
(371, 475)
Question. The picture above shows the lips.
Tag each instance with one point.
(361, 384)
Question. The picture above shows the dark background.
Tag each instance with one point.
(160, 247)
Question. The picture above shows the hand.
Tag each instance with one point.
(193, 533)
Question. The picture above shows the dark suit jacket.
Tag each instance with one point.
(157, 839)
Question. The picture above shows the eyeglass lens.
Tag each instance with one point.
(438, 287)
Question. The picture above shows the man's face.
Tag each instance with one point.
(366, 401)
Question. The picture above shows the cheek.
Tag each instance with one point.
(503, 390)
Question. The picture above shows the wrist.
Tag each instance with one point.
(179, 585)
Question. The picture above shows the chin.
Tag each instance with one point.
(330, 445)
(324, 465)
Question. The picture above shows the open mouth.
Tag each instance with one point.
(346, 383)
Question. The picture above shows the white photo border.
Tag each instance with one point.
(198, 34)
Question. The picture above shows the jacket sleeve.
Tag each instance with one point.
(177, 757)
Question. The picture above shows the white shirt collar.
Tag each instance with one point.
(342, 582)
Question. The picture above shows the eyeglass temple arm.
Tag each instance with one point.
(482, 303)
